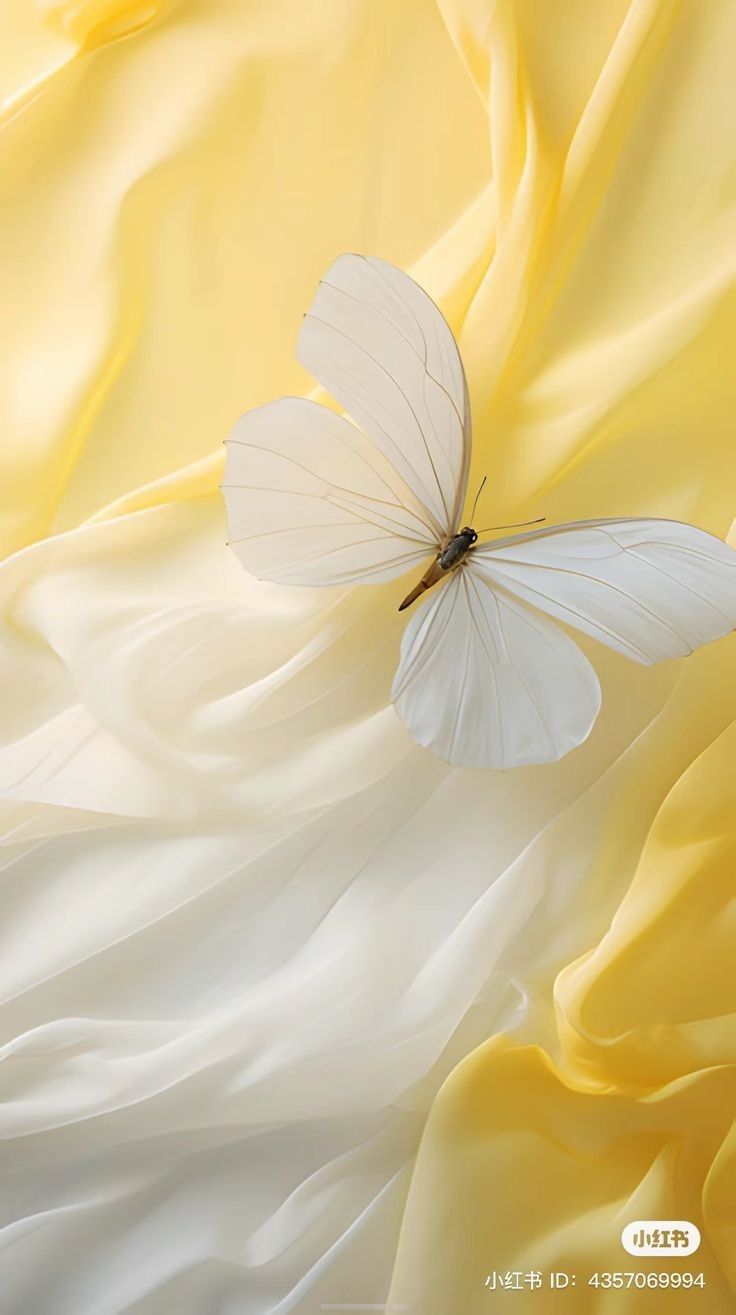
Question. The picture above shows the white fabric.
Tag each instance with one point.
(239, 960)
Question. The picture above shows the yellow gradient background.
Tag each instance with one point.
(473, 1022)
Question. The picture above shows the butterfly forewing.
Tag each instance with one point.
(380, 346)
(652, 589)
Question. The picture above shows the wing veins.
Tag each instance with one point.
(397, 385)
(288, 529)
(463, 684)
(340, 488)
(415, 669)
(356, 572)
(562, 570)
(396, 500)
(410, 309)
(681, 584)
(343, 504)
(520, 612)
(462, 420)
(494, 664)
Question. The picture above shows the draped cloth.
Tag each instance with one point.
(294, 1015)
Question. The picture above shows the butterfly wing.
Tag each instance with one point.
(485, 681)
(380, 346)
(652, 589)
(311, 501)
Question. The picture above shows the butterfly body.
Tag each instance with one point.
(488, 674)
(459, 545)
(449, 557)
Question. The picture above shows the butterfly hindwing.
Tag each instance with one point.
(484, 681)
(312, 501)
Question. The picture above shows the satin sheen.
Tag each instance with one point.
(256, 941)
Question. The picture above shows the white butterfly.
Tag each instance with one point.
(485, 678)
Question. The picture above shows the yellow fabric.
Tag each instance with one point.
(241, 898)
(615, 173)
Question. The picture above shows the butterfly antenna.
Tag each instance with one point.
(475, 504)
(519, 525)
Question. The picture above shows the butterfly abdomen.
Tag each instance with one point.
(430, 577)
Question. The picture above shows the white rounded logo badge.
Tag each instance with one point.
(661, 1237)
